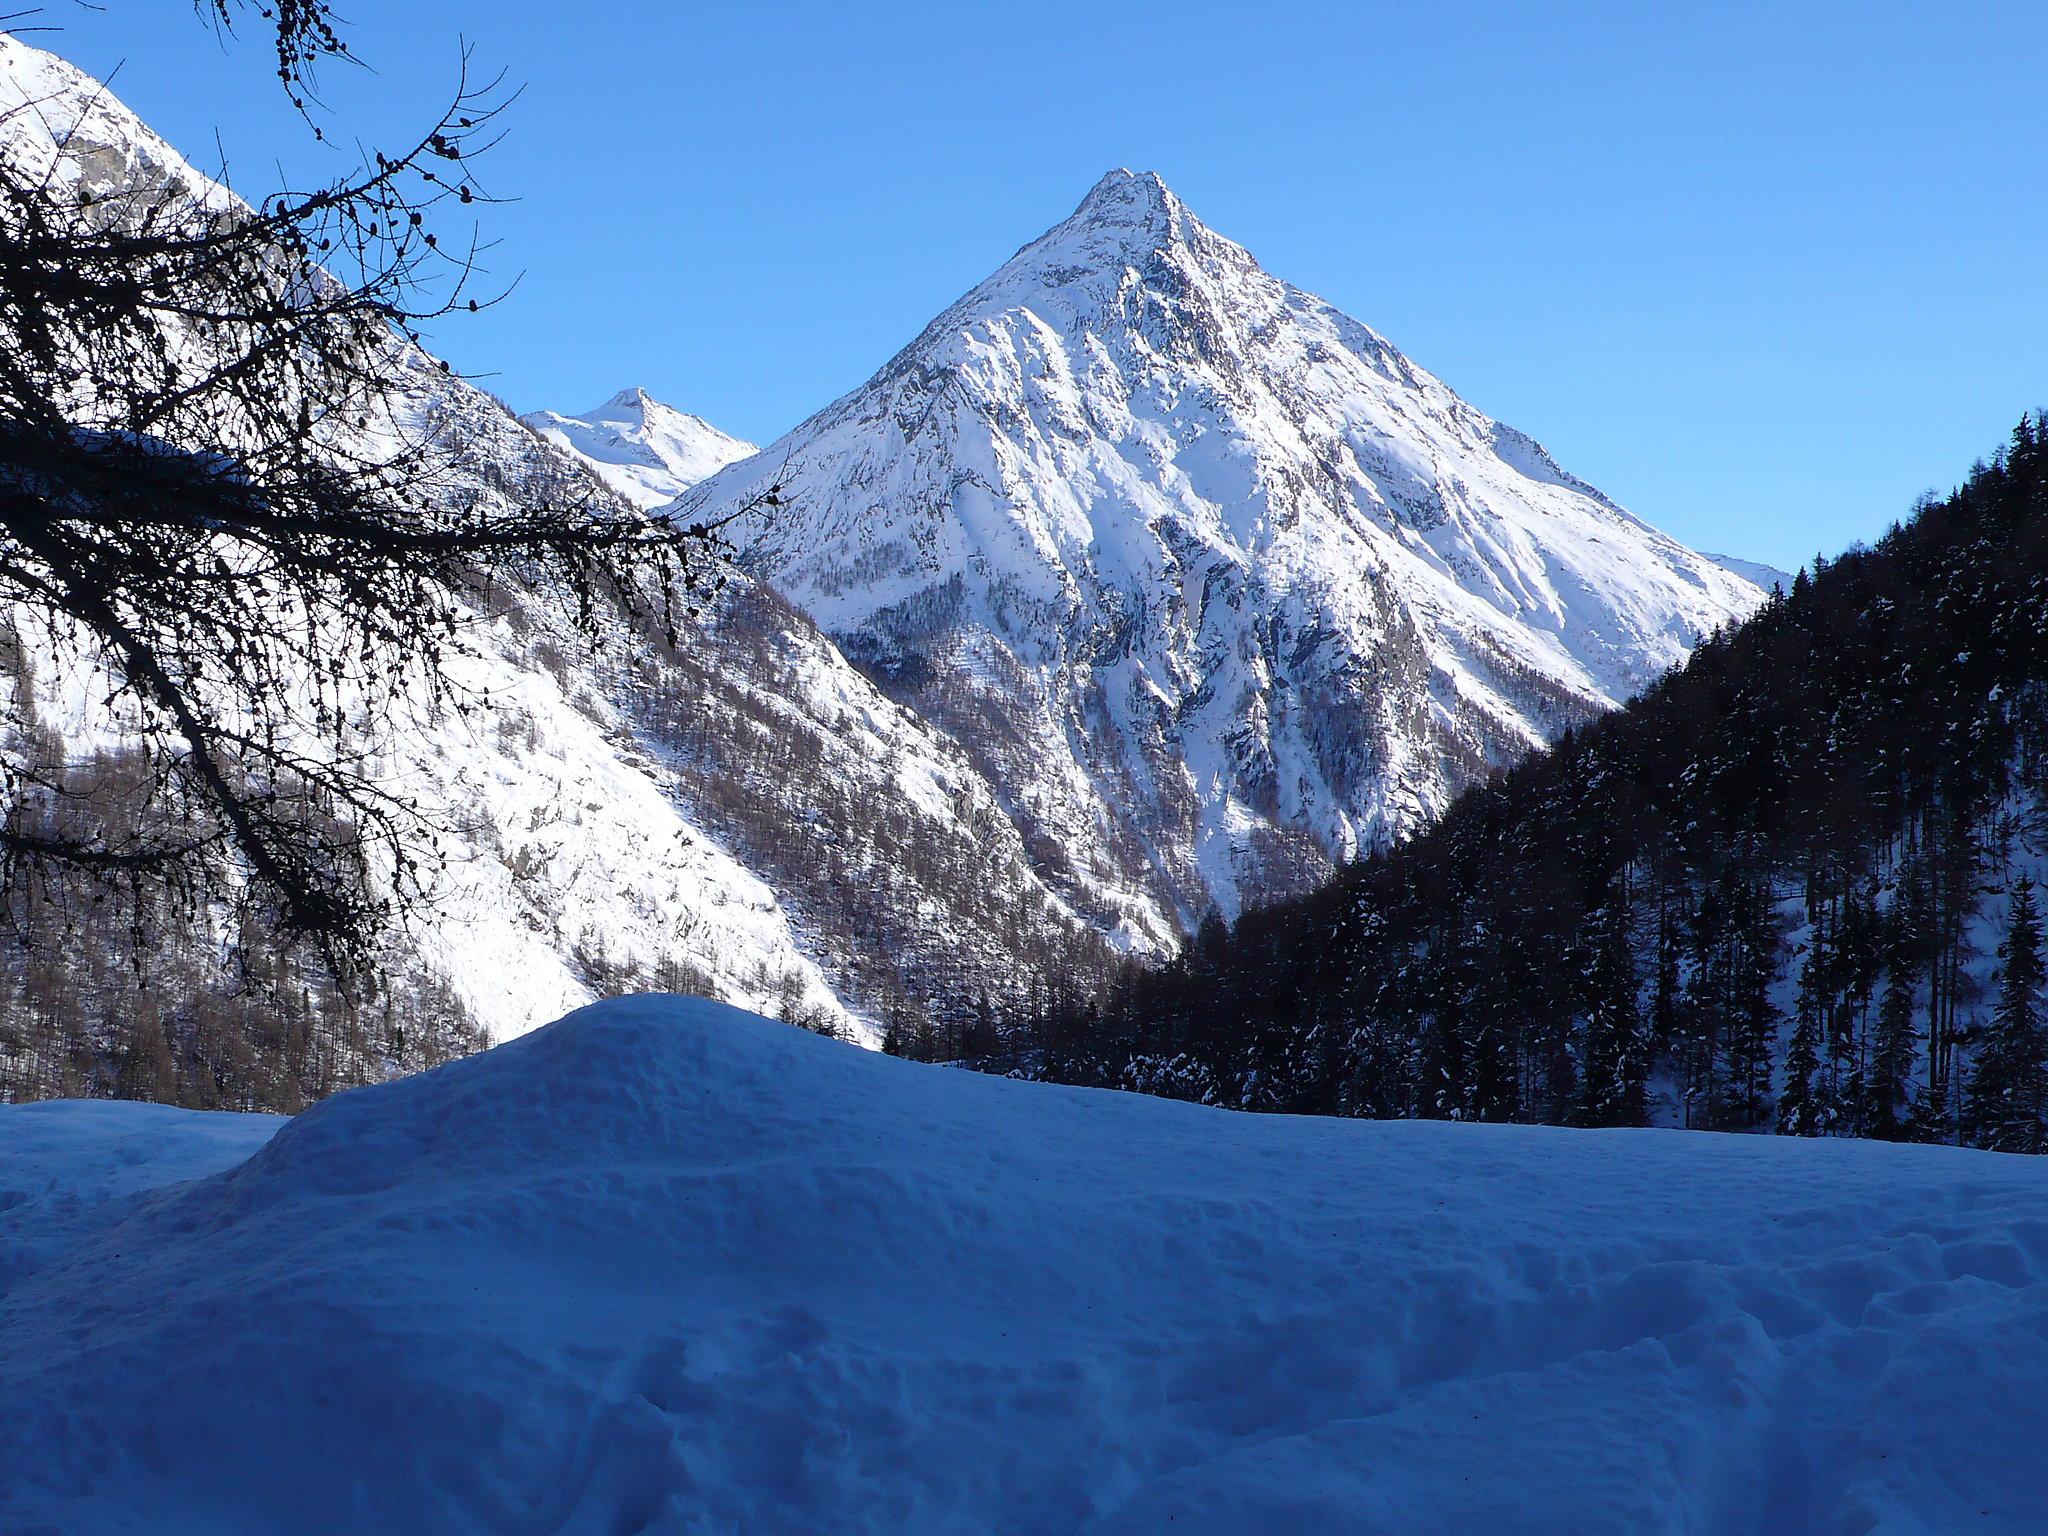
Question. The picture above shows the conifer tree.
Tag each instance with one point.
(1614, 1089)
(1891, 1057)
(1753, 1042)
(1859, 964)
(2007, 1108)
(1800, 1110)
(1806, 1106)
(1664, 997)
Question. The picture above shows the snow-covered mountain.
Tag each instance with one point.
(648, 452)
(1216, 585)
(743, 815)
(1163, 586)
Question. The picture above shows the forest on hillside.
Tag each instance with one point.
(1788, 887)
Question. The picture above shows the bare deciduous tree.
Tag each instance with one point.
(225, 491)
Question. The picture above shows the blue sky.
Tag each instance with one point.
(1762, 273)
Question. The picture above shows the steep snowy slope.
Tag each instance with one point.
(1212, 579)
(648, 452)
(665, 1267)
(744, 815)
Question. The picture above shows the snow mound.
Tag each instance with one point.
(65, 1165)
(664, 1266)
(635, 1078)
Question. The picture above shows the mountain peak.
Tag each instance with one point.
(646, 450)
(1129, 221)
(1130, 197)
(631, 398)
(1134, 478)
(1135, 210)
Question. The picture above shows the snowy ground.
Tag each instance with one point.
(667, 1267)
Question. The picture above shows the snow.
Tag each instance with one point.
(648, 452)
(1150, 663)
(57, 122)
(665, 1266)
(64, 1159)
(570, 844)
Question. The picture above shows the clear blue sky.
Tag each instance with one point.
(1761, 272)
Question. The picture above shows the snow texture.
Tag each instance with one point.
(667, 1267)
(1243, 589)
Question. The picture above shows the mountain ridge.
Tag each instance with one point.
(1780, 890)
(840, 829)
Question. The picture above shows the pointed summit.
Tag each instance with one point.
(633, 398)
(1126, 217)
(1129, 222)
(1131, 198)
(648, 452)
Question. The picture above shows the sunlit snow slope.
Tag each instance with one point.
(668, 1267)
(1214, 579)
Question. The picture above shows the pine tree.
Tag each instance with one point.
(1886, 1102)
(2007, 1108)
(1954, 868)
(1664, 997)
(1806, 1107)
(1755, 1019)
(1446, 1069)
(1859, 955)
(1800, 1110)
(1614, 1089)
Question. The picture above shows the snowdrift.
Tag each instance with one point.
(664, 1266)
